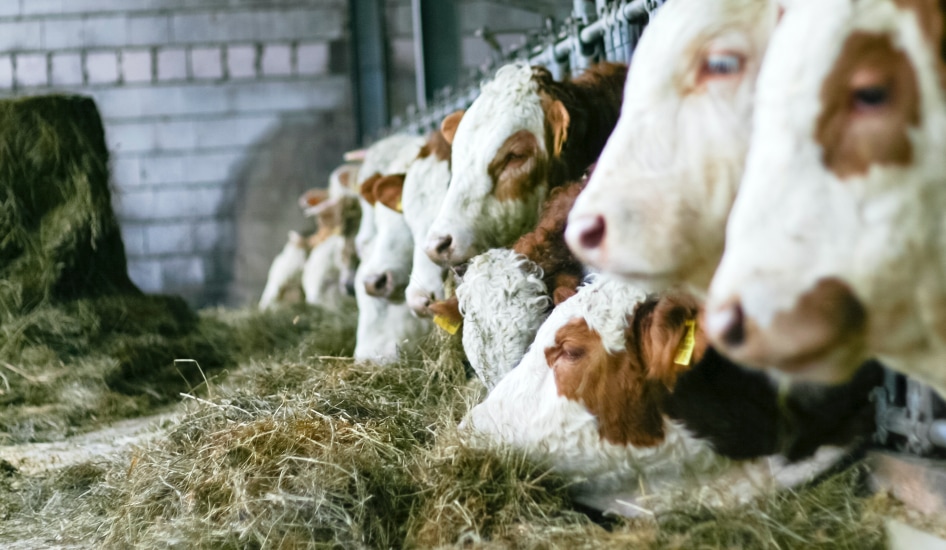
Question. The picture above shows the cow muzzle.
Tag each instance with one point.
(820, 338)
(380, 285)
(585, 236)
(440, 249)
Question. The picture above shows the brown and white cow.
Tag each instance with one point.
(524, 135)
(621, 391)
(656, 206)
(836, 247)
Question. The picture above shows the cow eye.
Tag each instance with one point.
(722, 64)
(572, 353)
(870, 98)
(514, 158)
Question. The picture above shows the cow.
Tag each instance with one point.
(285, 272)
(621, 392)
(524, 135)
(655, 209)
(834, 249)
(404, 206)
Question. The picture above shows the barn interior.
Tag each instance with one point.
(153, 156)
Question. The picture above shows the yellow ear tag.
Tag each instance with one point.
(446, 324)
(398, 207)
(685, 349)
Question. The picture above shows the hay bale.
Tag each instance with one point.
(59, 238)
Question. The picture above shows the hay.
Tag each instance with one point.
(59, 238)
(70, 367)
(305, 451)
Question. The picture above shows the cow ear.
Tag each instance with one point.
(367, 188)
(356, 155)
(296, 238)
(387, 191)
(674, 340)
(312, 197)
(558, 120)
(449, 125)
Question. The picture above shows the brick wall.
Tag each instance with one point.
(218, 114)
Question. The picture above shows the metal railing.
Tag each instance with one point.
(609, 32)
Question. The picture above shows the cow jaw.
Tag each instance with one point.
(655, 207)
(844, 183)
(502, 132)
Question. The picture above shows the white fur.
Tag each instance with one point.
(285, 268)
(391, 252)
(335, 186)
(666, 179)
(424, 189)
(384, 328)
(525, 411)
(503, 301)
(385, 157)
(471, 215)
(795, 222)
(321, 273)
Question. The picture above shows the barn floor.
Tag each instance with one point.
(297, 447)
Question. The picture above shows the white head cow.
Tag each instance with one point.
(835, 248)
(524, 134)
(656, 206)
(384, 327)
(387, 265)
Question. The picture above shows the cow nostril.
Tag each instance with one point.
(592, 234)
(731, 325)
(376, 285)
(443, 245)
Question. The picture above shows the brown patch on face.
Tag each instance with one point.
(517, 168)
(614, 388)
(448, 127)
(387, 191)
(869, 100)
(367, 188)
(436, 145)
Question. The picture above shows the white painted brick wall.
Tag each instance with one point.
(136, 66)
(31, 70)
(67, 69)
(207, 63)
(193, 94)
(102, 67)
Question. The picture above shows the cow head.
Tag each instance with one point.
(335, 215)
(424, 190)
(387, 265)
(502, 150)
(834, 250)
(656, 206)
